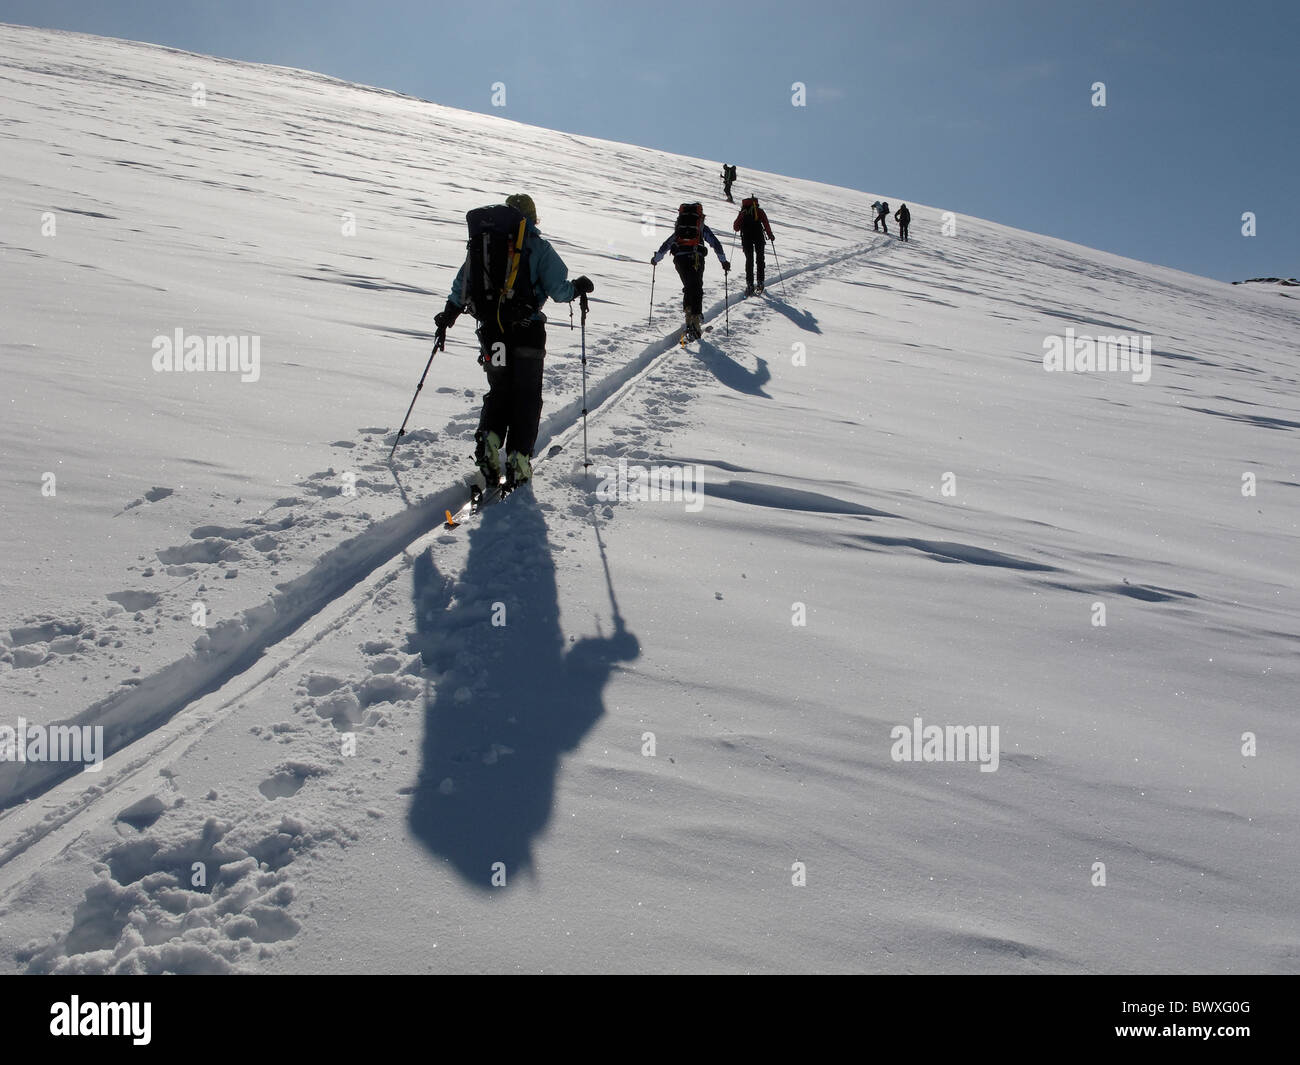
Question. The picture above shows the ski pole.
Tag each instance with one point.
(439, 343)
(582, 302)
(780, 272)
(653, 268)
(726, 296)
(733, 259)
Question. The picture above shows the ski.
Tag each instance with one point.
(488, 497)
(465, 509)
(478, 499)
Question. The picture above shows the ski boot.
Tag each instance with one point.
(749, 291)
(758, 290)
(519, 470)
(488, 455)
(693, 326)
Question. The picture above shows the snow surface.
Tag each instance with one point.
(649, 747)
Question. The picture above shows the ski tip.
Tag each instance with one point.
(451, 522)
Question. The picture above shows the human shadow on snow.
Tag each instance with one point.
(509, 699)
(732, 374)
(803, 319)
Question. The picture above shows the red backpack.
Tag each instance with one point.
(689, 231)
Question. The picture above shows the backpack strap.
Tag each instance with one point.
(517, 254)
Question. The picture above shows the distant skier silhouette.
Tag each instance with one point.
(904, 219)
(728, 179)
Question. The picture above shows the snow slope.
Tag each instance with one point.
(648, 746)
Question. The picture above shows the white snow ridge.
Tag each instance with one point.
(884, 648)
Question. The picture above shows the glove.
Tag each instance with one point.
(726, 268)
(583, 285)
(446, 317)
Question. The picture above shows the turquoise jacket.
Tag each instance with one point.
(550, 276)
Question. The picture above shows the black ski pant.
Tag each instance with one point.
(755, 248)
(902, 230)
(883, 219)
(513, 406)
(690, 268)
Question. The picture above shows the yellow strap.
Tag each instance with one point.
(515, 256)
(518, 254)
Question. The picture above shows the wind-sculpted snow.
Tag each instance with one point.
(766, 495)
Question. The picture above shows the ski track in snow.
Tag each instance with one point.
(232, 646)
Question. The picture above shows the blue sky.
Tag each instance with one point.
(978, 106)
